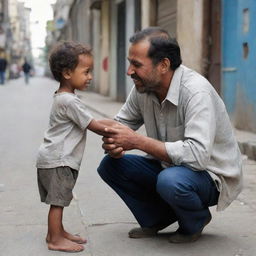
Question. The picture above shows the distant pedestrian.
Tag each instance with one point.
(26, 67)
(14, 71)
(3, 66)
(61, 152)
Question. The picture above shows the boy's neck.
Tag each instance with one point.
(65, 88)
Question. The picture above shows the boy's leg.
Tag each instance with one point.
(189, 193)
(134, 179)
(57, 241)
(55, 187)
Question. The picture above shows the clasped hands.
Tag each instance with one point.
(118, 139)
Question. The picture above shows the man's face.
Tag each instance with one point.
(145, 75)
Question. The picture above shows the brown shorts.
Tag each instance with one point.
(56, 185)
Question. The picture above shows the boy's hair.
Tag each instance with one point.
(64, 56)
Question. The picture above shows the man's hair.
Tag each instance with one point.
(64, 56)
(161, 45)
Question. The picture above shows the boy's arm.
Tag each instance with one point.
(98, 126)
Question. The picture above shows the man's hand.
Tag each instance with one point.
(119, 139)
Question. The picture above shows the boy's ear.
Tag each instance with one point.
(66, 73)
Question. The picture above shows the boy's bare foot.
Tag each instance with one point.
(74, 238)
(65, 245)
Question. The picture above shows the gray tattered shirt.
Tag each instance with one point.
(194, 124)
(64, 140)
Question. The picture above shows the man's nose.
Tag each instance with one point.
(130, 71)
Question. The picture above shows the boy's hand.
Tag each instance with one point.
(119, 139)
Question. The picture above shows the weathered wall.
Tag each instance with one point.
(190, 31)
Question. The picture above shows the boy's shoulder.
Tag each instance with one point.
(65, 97)
(68, 100)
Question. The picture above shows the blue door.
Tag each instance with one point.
(239, 61)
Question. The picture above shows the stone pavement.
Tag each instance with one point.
(230, 233)
(96, 211)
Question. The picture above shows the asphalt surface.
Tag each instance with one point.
(96, 211)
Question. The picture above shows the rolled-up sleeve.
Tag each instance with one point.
(199, 133)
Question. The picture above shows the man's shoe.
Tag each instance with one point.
(178, 237)
(145, 232)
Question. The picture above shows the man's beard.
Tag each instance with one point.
(146, 85)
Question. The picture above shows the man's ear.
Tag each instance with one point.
(66, 73)
(165, 65)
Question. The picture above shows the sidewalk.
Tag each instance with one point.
(108, 108)
(230, 233)
(96, 212)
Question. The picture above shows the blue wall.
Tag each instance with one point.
(239, 61)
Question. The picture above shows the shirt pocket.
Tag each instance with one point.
(175, 133)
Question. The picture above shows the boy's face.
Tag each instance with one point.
(81, 76)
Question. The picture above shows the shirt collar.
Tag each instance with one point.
(174, 89)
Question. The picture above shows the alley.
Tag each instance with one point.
(96, 212)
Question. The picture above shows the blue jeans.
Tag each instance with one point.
(2, 77)
(26, 75)
(158, 196)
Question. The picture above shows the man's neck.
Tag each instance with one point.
(166, 83)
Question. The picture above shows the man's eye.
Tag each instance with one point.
(137, 65)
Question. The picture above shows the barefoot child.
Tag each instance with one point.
(61, 152)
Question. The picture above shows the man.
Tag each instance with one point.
(193, 159)
(26, 69)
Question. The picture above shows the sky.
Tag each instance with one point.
(41, 11)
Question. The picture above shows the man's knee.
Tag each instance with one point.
(170, 185)
(104, 166)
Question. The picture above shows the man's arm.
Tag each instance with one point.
(127, 139)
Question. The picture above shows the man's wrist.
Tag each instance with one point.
(139, 142)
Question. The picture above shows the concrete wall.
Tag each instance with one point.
(104, 86)
(190, 32)
(130, 25)
(113, 46)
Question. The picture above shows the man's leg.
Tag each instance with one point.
(1, 77)
(189, 193)
(134, 179)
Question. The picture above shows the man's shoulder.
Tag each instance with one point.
(193, 82)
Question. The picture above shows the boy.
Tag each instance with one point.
(61, 152)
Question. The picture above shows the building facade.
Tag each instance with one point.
(205, 30)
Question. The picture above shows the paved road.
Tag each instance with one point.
(96, 212)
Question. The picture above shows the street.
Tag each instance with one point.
(96, 211)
